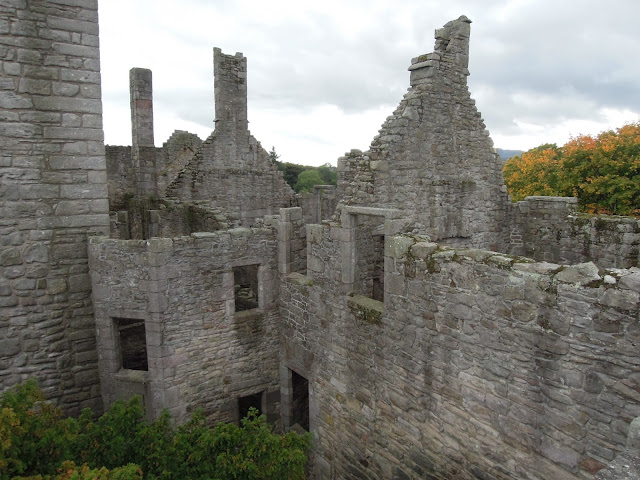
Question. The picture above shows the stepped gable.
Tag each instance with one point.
(433, 158)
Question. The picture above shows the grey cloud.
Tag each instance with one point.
(582, 60)
(540, 62)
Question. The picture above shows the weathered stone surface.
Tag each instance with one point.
(550, 229)
(579, 274)
(627, 465)
(45, 325)
(423, 360)
(183, 291)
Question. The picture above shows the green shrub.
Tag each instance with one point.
(37, 443)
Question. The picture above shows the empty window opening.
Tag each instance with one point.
(300, 404)
(377, 292)
(245, 403)
(245, 287)
(369, 257)
(133, 343)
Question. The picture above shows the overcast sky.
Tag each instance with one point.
(323, 75)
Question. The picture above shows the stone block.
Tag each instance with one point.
(630, 281)
(580, 274)
(36, 253)
(9, 347)
(10, 100)
(72, 207)
(77, 163)
(34, 86)
(72, 132)
(67, 104)
(314, 233)
(79, 283)
(20, 130)
(10, 256)
(423, 249)
(39, 191)
(397, 247)
(65, 89)
(79, 76)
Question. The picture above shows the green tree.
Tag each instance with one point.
(604, 172)
(37, 443)
(290, 172)
(329, 174)
(307, 179)
(273, 156)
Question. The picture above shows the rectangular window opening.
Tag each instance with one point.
(378, 268)
(245, 287)
(132, 340)
(246, 402)
(300, 400)
(368, 270)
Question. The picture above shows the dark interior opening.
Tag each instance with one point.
(133, 343)
(300, 400)
(245, 287)
(245, 403)
(378, 268)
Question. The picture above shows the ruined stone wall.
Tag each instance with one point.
(477, 365)
(248, 186)
(53, 193)
(120, 174)
(144, 218)
(319, 204)
(551, 229)
(369, 254)
(174, 220)
(201, 352)
(177, 151)
(292, 241)
(231, 170)
(433, 157)
(143, 152)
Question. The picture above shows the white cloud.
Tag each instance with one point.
(324, 75)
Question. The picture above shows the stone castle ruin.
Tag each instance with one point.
(412, 318)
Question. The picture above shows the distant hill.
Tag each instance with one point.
(505, 154)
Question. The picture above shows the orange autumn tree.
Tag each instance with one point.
(602, 172)
(535, 172)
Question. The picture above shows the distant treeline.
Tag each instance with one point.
(302, 178)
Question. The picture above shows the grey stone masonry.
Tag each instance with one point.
(627, 465)
(433, 157)
(475, 365)
(53, 193)
(318, 204)
(231, 170)
(202, 353)
(177, 151)
(141, 91)
(230, 88)
(552, 229)
(143, 151)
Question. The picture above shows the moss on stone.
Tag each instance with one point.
(366, 309)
